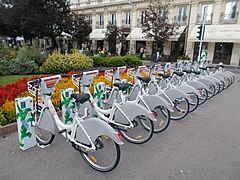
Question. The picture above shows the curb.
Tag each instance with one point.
(13, 126)
(8, 128)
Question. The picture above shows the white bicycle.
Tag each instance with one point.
(96, 141)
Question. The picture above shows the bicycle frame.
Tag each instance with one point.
(79, 135)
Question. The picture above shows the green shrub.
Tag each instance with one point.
(3, 120)
(6, 67)
(98, 61)
(23, 65)
(61, 63)
(132, 61)
(116, 61)
(32, 54)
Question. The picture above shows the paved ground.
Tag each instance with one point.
(203, 146)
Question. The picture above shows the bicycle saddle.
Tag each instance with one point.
(196, 72)
(164, 75)
(203, 68)
(178, 73)
(122, 86)
(144, 79)
(80, 98)
(187, 71)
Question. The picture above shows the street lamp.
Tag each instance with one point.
(202, 31)
(130, 36)
(187, 29)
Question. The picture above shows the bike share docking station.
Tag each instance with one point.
(25, 117)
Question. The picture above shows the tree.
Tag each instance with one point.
(113, 36)
(80, 28)
(36, 18)
(157, 23)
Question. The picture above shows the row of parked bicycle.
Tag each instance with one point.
(130, 110)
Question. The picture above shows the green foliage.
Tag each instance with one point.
(116, 61)
(132, 61)
(33, 54)
(61, 63)
(25, 61)
(97, 61)
(3, 120)
(23, 65)
(6, 66)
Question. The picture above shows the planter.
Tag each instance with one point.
(8, 128)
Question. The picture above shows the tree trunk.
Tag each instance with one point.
(54, 42)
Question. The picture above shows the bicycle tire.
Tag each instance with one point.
(137, 137)
(194, 103)
(92, 163)
(161, 125)
(204, 95)
(182, 112)
(40, 133)
(211, 93)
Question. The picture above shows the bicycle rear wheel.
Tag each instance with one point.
(193, 102)
(203, 95)
(162, 115)
(106, 157)
(139, 134)
(181, 108)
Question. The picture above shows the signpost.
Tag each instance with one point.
(201, 32)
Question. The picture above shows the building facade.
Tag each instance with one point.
(222, 30)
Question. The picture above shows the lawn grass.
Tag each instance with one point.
(9, 79)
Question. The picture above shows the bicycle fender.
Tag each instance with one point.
(131, 110)
(188, 89)
(47, 122)
(218, 77)
(95, 128)
(198, 85)
(154, 101)
(206, 81)
(176, 93)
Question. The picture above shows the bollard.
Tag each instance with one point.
(26, 132)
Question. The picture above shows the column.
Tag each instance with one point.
(216, 11)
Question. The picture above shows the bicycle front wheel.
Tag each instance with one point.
(106, 157)
(139, 134)
(43, 137)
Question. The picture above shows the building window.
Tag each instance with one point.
(230, 10)
(182, 15)
(112, 19)
(89, 19)
(127, 18)
(208, 13)
(141, 19)
(100, 20)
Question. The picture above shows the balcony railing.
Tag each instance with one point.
(229, 18)
(112, 22)
(208, 18)
(126, 23)
(100, 24)
(180, 20)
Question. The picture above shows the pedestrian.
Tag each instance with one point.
(141, 52)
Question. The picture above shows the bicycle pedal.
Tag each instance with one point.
(62, 131)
